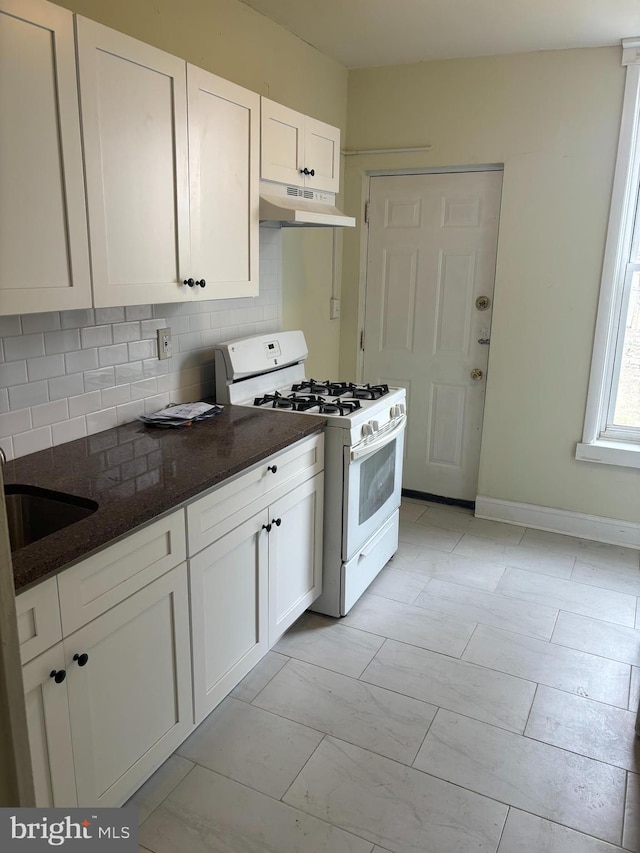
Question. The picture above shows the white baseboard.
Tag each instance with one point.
(599, 528)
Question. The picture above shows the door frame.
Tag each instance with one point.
(364, 231)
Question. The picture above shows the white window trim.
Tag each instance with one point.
(599, 445)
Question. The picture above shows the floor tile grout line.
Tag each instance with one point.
(188, 773)
(504, 826)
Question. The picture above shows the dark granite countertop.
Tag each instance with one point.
(137, 473)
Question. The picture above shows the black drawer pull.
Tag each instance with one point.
(58, 676)
(267, 527)
(82, 659)
(189, 281)
(276, 521)
(272, 468)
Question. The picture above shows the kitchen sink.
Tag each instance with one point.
(33, 513)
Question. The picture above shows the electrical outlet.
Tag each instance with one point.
(334, 308)
(165, 349)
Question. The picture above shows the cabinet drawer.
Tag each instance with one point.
(108, 577)
(38, 619)
(213, 515)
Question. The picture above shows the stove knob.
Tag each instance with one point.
(367, 430)
(375, 426)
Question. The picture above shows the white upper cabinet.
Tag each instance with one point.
(224, 145)
(134, 122)
(299, 150)
(44, 258)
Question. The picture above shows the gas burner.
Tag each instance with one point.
(368, 392)
(274, 401)
(331, 389)
(305, 402)
(339, 407)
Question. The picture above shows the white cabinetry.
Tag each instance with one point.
(134, 123)
(44, 257)
(173, 208)
(259, 568)
(113, 700)
(299, 150)
(224, 145)
(109, 646)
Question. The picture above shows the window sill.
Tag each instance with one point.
(625, 454)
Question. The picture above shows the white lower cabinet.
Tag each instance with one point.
(49, 733)
(229, 600)
(124, 704)
(295, 554)
(142, 644)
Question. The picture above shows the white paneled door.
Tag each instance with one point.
(430, 275)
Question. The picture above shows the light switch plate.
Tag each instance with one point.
(334, 308)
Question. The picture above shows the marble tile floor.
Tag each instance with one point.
(479, 698)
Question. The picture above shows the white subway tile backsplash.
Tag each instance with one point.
(115, 396)
(69, 430)
(31, 394)
(109, 315)
(99, 421)
(78, 362)
(10, 325)
(32, 441)
(67, 340)
(25, 346)
(40, 322)
(142, 349)
(128, 373)
(77, 318)
(83, 404)
(15, 422)
(138, 312)
(50, 413)
(104, 377)
(45, 367)
(96, 336)
(13, 374)
(124, 332)
(66, 386)
(116, 354)
(69, 374)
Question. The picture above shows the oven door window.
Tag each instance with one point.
(377, 478)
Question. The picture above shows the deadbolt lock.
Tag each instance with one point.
(476, 374)
(482, 303)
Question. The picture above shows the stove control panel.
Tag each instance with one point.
(272, 349)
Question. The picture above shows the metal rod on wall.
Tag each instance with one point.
(413, 150)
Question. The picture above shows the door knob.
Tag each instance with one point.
(476, 374)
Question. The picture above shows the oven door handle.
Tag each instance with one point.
(379, 440)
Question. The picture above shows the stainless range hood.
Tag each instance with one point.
(283, 206)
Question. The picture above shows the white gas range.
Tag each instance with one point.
(364, 444)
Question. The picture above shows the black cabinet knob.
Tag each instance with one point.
(82, 659)
(267, 527)
(276, 521)
(312, 172)
(202, 282)
(189, 281)
(58, 675)
(272, 468)
(303, 172)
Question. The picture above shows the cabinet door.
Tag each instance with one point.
(322, 155)
(44, 255)
(282, 156)
(229, 603)
(130, 703)
(134, 122)
(49, 733)
(295, 554)
(224, 144)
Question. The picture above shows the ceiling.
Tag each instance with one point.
(363, 33)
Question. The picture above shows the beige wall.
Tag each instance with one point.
(228, 38)
(552, 118)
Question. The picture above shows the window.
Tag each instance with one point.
(612, 423)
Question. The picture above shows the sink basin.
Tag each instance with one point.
(33, 513)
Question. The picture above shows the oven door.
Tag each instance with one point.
(372, 484)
